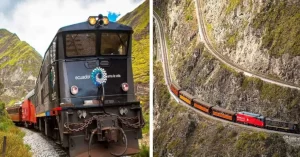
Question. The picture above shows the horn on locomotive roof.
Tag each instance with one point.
(98, 21)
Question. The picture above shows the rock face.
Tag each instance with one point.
(200, 74)
(178, 131)
(19, 67)
(207, 78)
(261, 36)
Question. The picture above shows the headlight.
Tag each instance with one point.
(92, 20)
(74, 90)
(106, 20)
(98, 21)
(125, 87)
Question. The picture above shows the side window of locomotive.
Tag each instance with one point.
(80, 44)
(114, 43)
(53, 51)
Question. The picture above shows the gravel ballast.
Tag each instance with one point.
(41, 146)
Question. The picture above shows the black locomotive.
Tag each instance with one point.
(84, 95)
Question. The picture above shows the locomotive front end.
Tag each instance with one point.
(99, 114)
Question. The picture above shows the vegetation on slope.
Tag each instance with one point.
(232, 5)
(14, 142)
(18, 53)
(189, 10)
(18, 62)
(281, 25)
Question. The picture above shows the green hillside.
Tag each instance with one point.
(19, 66)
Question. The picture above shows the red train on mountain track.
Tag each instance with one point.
(23, 113)
(243, 117)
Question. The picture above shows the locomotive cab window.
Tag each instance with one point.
(80, 44)
(114, 43)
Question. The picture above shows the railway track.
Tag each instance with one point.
(227, 61)
(164, 51)
(41, 145)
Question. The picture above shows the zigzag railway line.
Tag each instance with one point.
(163, 49)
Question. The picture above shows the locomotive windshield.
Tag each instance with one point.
(114, 43)
(84, 44)
(80, 44)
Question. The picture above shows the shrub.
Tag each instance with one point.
(14, 145)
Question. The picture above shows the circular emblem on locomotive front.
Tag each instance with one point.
(99, 76)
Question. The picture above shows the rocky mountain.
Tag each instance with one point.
(260, 36)
(198, 72)
(138, 19)
(19, 67)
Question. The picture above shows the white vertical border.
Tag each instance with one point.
(151, 103)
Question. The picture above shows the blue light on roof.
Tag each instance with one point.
(252, 114)
(113, 16)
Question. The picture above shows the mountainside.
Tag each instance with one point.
(138, 19)
(19, 67)
(200, 74)
(180, 132)
(261, 36)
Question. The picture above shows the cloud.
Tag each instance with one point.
(37, 21)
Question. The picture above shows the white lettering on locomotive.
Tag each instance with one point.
(114, 76)
(85, 77)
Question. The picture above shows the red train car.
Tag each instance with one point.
(250, 118)
(203, 106)
(186, 97)
(175, 89)
(223, 113)
(15, 113)
(28, 110)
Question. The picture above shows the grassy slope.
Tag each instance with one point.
(14, 54)
(15, 146)
(18, 53)
(138, 19)
(280, 23)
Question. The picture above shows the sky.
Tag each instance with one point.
(37, 21)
